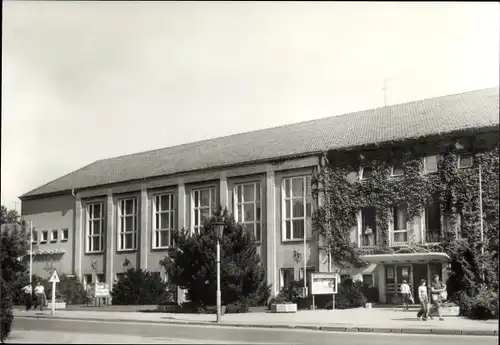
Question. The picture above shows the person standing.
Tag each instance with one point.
(40, 295)
(423, 297)
(436, 289)
(406, 293)
(28, 295)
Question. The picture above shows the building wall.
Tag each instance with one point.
(48, 214)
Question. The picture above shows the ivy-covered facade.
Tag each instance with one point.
(409, 210)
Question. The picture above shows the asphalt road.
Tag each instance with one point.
(26, 330)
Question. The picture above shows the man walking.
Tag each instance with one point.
(406, 293)
(28, 295)
(40, 295)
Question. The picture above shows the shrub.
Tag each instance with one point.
(191, 264)
(484, 305)
(139, 287)
(237, 307)
(350, 295)
(6, 315)
(280, 299)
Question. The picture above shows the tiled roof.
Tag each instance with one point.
(434, 116)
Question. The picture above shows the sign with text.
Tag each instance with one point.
(101, 290)
(323, 283)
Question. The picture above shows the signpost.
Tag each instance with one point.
(324, 284)
(101, 290)
(54, 279)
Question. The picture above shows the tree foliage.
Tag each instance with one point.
(140, 287)
(191, 264)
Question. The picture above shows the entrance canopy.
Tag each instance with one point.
(407, 258)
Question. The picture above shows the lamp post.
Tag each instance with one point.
(219, 229)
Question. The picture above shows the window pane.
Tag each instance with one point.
(165, 202)
(288, 232)
(431, 164)
(250, 227)
(257, 217)
(172, 215)
(433, 218)
(298, 208)
(258, 232)
(96, 243)
(399, 218)
(157, 221)
(257, 186)
(97, 227)
(240, 214)
(367, 172)
(129, 206)
(239, 193)
(465, 161)
(213, 201)
(298, 228)
(129, 238)
(165, 236)
(249, 212)
(397, 169)
(165, 220)
(297, 187)
(196, 218)
(97, 211)
(205, 197)
(287, 188)
(157, 239)
(196, 198)
(205, 214)
(90, 245)
(248, 192)
(287, 209)
(129, 224)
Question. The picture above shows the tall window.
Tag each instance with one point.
(164, 213)
(368, 227)
(432, 223)
(400, 225)
(286, 277)
(127, 232)
(247, 201)
(204, 203)
(430, 164)
(95, 222)
(296, 206)
(366, 172)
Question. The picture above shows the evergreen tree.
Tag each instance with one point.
(191, 264)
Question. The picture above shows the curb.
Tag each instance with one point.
(426, 331)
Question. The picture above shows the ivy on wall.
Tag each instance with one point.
(455, 190)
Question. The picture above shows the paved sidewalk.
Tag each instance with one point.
(361, 320)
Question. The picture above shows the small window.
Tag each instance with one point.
(309, 271)
(101, 278)
(368, 280)
(53, 235)
(366, 172)
(397, 169)
(35, 237)
(430, 164)
(87, 279)
(45, 236)
(64, 235)
(465, 161)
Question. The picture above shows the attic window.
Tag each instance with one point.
(397, 169)
(465, 161)
(366, 172)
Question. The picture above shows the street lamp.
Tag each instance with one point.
(219, 230)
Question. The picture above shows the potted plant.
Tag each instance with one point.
(280, 304)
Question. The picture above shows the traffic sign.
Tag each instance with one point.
(54, 278)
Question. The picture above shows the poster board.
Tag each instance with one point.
(323, 283)
(100, 290)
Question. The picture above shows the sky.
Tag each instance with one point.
(83, 81)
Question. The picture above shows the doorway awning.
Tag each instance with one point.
(414, 258)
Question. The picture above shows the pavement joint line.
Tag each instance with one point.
(277, 326)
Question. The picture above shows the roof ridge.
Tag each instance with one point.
(296, 123)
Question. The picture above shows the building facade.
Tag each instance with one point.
(118, 213)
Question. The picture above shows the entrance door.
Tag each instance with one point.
(419, 272)
(403, 273)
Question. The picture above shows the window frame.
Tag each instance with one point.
(363, 224)
(196, 210)
(89, 237)
(425, 164)
(284, 198)
(44, 234)
(257, 203)
(64, 238)
(459, 160)
(392, 169)
(34, 239)
(121, 233)
(157, 231)
(52, 237)
(394, 210)
(426, 228)
(362, 171)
